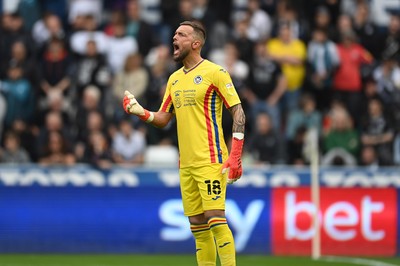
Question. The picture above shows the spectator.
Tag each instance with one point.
(128, 144)
(391, 41)
(260, 24)
(243, 42)
(119, 48)
(18, 92)
(290, 53)
(13, 152)
(57, 151)
(48, 28)
(264, 143)
(133, 76)
(306, 116)
(347, 80)
(139, 29)
(266, 86)
(55, 71)
(98, 153)
(322, 21)
(20, 56)
(117, 17)
(12, 31)
(90, 101)
(91, 69)
(295, 148)
(53, 122)
(378, 132)
(342, 142)
(323, 59)
(366, 30)
(89, 33)
(369, 158)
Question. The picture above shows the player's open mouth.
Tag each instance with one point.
(176, 48)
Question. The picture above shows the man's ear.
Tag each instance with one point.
(196, 44)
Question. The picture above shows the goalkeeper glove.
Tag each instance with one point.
(234, 163)
(131, 106)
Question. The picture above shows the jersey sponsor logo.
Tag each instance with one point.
(178, 101)
(222, 70)
(175, 81)
(198, 79)
(363, 219)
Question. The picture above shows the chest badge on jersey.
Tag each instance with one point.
(198, 79)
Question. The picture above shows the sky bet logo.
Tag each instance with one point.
(353, 221)
(242, 222)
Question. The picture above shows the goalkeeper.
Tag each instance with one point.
(196, 94)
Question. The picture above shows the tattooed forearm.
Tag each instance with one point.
(239, 118)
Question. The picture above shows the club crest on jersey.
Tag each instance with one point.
(198, 79)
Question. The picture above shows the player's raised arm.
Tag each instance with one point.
(234, 162)
(131, 106)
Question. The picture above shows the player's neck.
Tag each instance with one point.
(191, 62)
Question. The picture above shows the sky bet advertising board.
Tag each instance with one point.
(84, 210)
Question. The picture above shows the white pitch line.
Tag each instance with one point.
(356, 261)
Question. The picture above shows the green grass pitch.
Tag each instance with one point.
(180, 260)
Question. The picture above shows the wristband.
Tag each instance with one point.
(148, 116)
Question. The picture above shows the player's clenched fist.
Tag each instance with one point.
(131, 106)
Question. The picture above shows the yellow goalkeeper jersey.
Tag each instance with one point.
(197, 96)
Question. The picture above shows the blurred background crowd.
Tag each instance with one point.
(328, 65)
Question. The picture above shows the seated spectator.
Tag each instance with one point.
(98, 153)
(128, 144)
(53, 122)
(307, 115)
(55, 72)
(378, 132)
(90, 102)
(119, 48)
(18, 92)
(264, 144)
(27, 134)
(80, 38)
(91, 69)
(135, 77)
(368, 157)
(57, 151)
(295, 148)
(13, 152)
(48, 28)
(341, 138)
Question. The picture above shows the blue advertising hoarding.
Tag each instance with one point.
(113, 220)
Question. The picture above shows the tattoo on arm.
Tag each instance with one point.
(239, 118)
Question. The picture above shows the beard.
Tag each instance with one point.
(182, 55)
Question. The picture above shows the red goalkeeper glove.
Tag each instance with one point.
(131, 106)
(234, 163)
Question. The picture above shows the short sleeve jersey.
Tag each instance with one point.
(197, 98)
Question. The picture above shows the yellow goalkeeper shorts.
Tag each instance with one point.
(203, 188)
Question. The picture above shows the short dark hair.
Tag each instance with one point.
(197, 27)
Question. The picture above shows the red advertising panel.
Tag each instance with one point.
(353, 221)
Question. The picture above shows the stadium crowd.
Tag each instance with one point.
(330, 65)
